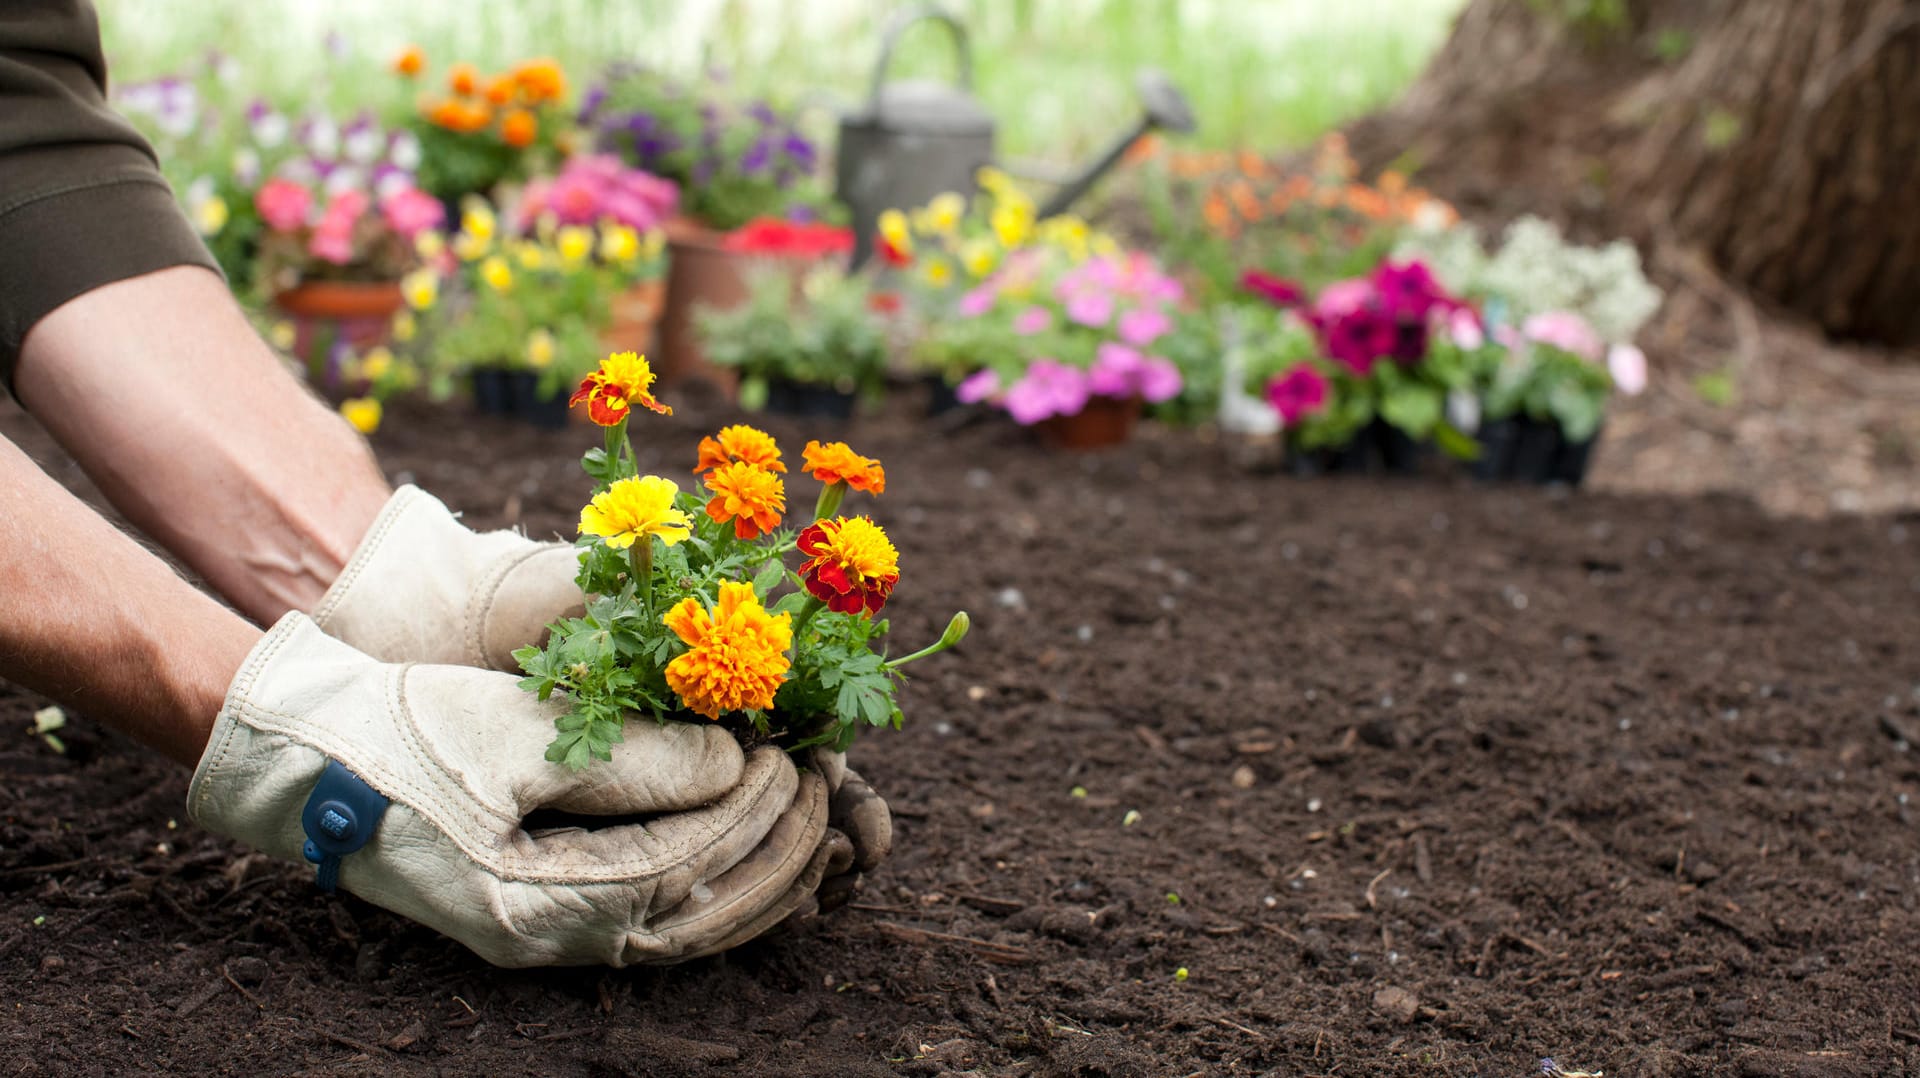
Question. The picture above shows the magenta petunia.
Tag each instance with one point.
(1300, 392)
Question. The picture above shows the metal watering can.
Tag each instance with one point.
(917, 138)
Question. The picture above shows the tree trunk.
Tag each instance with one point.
(1779, 137)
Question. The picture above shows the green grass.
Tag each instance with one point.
(1057, 74)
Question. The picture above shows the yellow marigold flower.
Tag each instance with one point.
(737, 655)
(633, 509)
(938, 272)
(497, 274)
(575, 244)
(421, 288)
(623, 380)
(470, 248)
(210, 215)
(377, 363)
(739, 443)
(1012, 223)
(753, 498)
(540, 349)
(994, 181)
(979, 256)
(618, 243)
(835, 462)
(851, 564)
(429, 245)
(283, 335)
(405, 327)
(363, 413)
(898, 234)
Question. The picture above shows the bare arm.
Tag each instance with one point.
(191, 426)
(91, 619)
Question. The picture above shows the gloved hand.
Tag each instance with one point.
(423, 587)
(741, 842)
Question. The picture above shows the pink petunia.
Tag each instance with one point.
(1628, 365)
(1090, 308)
(283, 204)
(1566, 331)
(1300, 392)
(1116, 370)
(1035, 319)
(1465, 329)
(1160, 380)
(976, 302)
(1049, 389)
(411, 211)
(977, 387)
(1144, 325)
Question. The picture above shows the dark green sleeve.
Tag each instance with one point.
(82, 201)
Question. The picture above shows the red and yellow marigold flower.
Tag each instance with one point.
(635, 509)
(623, 380)
(737, 655)
(750, 496)
(836, 463)
(739, 443)
(851, 564)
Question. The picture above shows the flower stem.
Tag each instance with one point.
(640, 557)
(956, 632)
(831, 496)
(807, 612)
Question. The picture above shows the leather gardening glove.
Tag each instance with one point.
(425, 588)
(739, 843)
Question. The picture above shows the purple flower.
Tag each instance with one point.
(1049, 389)
(1035, 319)
(1090, 308)
(1144, 325)
(977, 387)
(757, 157)
(1300, 392)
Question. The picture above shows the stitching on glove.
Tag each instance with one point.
(403, 499)
(423, 753)
(480, 603)
(794, 853)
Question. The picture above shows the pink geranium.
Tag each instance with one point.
(1300, 392)
(410, 211)
(1033, 320)
(1144, 325)
(596, 187)
(283, 204)
(977, 387)
(333, 236)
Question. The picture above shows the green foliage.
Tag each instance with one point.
(454, 164)
(1717, 388)
(822, 330)
(1549, 384)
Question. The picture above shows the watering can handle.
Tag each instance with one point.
(903, 20)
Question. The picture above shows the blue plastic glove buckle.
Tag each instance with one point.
(341, 816)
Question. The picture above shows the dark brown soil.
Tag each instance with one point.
(1430, 779)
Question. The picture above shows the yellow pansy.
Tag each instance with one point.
(575, 244)
(531, 256)
(421, 289)
(938, 272)
(470, 248)
(210, 216)
(478, 221)
(429, 245)
(979, 256)
(363, 413)
(497, 274)
(944, 212)
(540, 349)
(1012, 222)
(376, 364)
(618, 243)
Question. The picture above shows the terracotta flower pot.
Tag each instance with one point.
(1104, 422)
(325, 314)
(701, 272)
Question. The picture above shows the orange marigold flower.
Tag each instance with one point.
(836, 463)
(518, 128)
(851, 564)
(737, 655)
(465, 117)
(411, 61)
(739, 443)
(463, 79)
(750, 496)
(623, 380)
(541, 80)
(499, 90)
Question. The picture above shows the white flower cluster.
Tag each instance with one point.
(1536, 270)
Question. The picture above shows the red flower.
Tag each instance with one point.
(1275, 290)
(851, 565)
(785, 239)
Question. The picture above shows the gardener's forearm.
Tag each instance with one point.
(90, 618)
(163, 392)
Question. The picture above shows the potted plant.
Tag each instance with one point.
(339, 225)
(522, 303)
(738, 165)
(597, 189)
(708, 606)
(1559, 320)
(1378, 391)
(481, 131)
(808, 347)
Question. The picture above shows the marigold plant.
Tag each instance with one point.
(692, 611)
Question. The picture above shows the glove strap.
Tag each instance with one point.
(341, 816)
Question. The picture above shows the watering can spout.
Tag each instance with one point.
(1165, 108)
